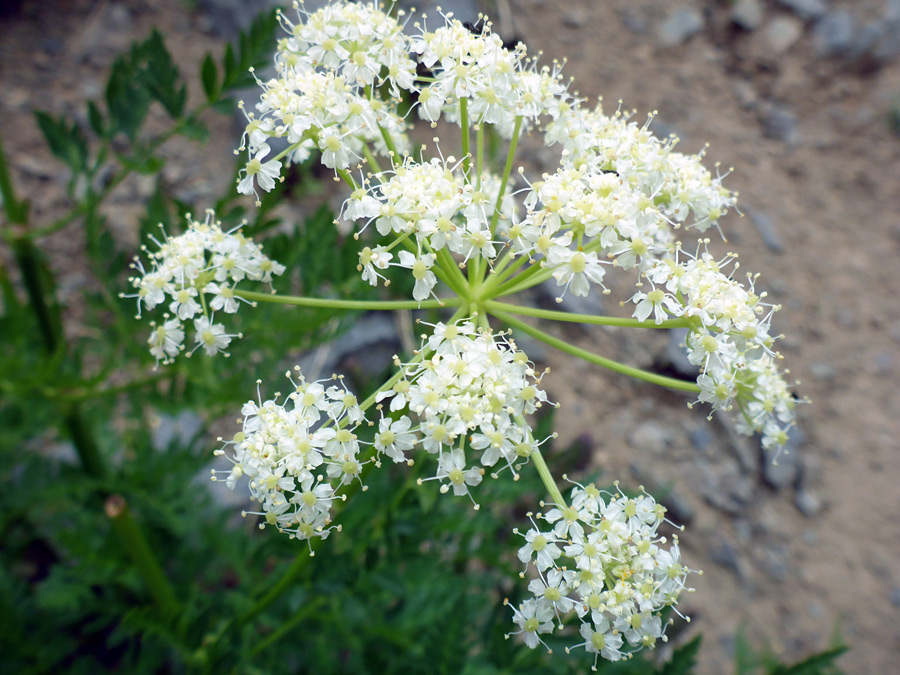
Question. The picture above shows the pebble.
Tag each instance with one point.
(701, 438)
(834, 34)
(649, 437)
(782, 33)
(178, 430)
(724, 553)
(374, 335)
(748, 14)
(548, 292)
(767, 230)
(892, 10)
(676, 354)
(808, 10)
(809, 502)
(779, 123)
(895, 595)
(680, 26)
(822, 370)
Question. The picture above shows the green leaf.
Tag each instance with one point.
(160, 75)
(195, 130)
(95, 117)
(66, 141)
(209, 77)
(817, 664)
(684, 659)
(126, 98)
(254, 48)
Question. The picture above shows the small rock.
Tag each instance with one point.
(775, 563)
(177, 430)
(679, 26)
(724, 553)
(822, 370)
(575, 18)
(745, 94)
(887, 45)
(884, 363)
(767, 230)
(834, 34)
(676, 354)
(701, 438)
(549, 291)
(808, 10)
(781, 467)
(895, 595)
(892, 10)
(748, 14)
(634, 21)
(780, 123)
(374, 334)
(782, 33)
(649, 437)
(809, 503)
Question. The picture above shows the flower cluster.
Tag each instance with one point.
(298, 454)
(433, 205)
(324, 94)
(470, 394)
(729, 339)
(603, 560)
(195, 275)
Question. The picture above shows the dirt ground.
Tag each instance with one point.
(791, 555)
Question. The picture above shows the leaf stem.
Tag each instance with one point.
(347, 304)
(590, 357)
(582, 318)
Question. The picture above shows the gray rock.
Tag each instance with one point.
(779, 123)
(892, 10)
(725, 554)
(887, 45)
(822, 370)
(701, 438)
(649, 437)
(679, 26)
(748, 14)
(634, 21)
(781, 468)
(725, 486)
(809, 502)
(374, 335)
(775, 564)
(676, 355)
(178, 429)
(767, 230)
(592, 303)
(782, 33)
(808, 10)
(895, 595)
(834, 34)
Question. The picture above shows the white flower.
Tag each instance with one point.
(165, 341)
(421, 271)
(211, 336)
(394, 438)
(264, 173)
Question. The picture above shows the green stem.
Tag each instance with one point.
(479, 153)
(464, 127)
(348, 179)
(389, 143)
(582, 318)
(500, 273)
(347, 304)
(547, 478)
(507, 170)
(371, 158)
(310, 608)
(519, 282)
(15, 210)
(139, 550)
(562, 345)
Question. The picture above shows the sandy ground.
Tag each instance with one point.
(791, 565)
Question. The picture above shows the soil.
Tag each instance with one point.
(792, 557)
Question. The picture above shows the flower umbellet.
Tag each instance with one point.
(470, 230)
